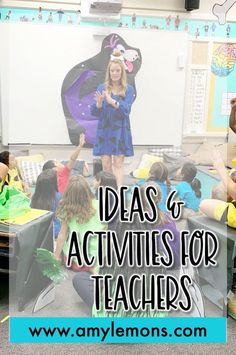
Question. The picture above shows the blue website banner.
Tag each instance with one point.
(118, 330)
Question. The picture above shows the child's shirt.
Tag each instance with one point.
(63, 176)
(225, 212)
(186, 194)
(94, 224)
(13, 179)
(164, 192)
(164, 195)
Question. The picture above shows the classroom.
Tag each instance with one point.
(178, 132)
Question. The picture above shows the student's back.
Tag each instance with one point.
(159, 174)
(187, 195)
(46, 196)
(189, 189)
(78, 212)
(92, 224)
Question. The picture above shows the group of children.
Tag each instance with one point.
(78, 211)
(188, 189)
(75, 206)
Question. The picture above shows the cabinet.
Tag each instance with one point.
(18, 244)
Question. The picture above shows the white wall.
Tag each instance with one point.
(37, 65)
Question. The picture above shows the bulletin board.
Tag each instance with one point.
(211, 85)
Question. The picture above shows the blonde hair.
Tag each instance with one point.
(123, 79)
(76, 201)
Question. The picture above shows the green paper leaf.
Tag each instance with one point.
(50, 266)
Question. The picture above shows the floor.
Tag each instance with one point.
(67, 303)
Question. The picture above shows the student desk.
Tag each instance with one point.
(219, 277)
(23, 242)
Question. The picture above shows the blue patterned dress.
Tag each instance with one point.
(113, 132)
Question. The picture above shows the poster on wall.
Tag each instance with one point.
(222, 85)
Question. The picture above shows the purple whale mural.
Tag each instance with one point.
(81, 81)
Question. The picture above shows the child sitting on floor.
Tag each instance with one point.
(222, 211)
(103, 178)
(189, 189)
(13, 177)
(77, 211)
(3, 174)
(63, 171)
(46, 196)
(159, 174)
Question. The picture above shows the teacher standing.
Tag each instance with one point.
(113, 104)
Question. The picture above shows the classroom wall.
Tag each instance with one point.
(146, 7)
(139, 6)
(34, 94)
(175, 5)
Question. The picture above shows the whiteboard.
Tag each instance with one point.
(37, 57)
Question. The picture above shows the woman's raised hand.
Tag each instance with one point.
(99, 97)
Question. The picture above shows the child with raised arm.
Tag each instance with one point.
(222, 211)
(63, 171)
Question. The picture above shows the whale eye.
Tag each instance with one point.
(121, 48)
